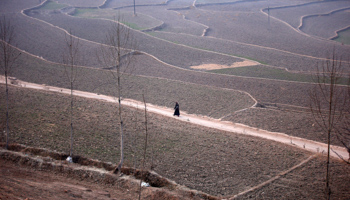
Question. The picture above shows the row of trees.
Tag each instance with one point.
(116, 54)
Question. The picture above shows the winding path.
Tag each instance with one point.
(309, 145)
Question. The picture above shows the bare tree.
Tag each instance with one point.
(8, 57)
(343, 132)
(116, 55)
(134, 139)
(71, 58)
(144, 147)
(327, 101)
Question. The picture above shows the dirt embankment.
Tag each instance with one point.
(45, 174)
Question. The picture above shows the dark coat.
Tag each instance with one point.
(177, 109)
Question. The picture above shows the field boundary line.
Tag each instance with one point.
(275, 49)
(273, 179)
(154, 77)
(302, 20)
(336, 33)
(241, 43)
(177, 67)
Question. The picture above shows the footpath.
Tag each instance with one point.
(309, 145)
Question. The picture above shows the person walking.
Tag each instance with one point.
(177, 109)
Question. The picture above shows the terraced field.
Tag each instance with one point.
(294, 13)
(204, 159)
(284, 41)
(328, 23)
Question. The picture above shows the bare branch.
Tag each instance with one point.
(8, 57)
(327, 102)
(115, 56)
(70, 57)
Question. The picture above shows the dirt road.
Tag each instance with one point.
(312, 146)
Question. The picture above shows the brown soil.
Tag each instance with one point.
(215, 162)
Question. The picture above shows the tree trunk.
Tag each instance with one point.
(7, 112)
(71, 120)
(145, 147)
(121, 121)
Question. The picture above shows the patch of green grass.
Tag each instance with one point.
(271, 73)
(213, 1)
(152, 34)
(95, 13)
(196, 47)
(253, 59)
(264, 72)
(51, 5)
(88, 13)
(205, 49)
(84, 12)
(343, 36)
(132, 25)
